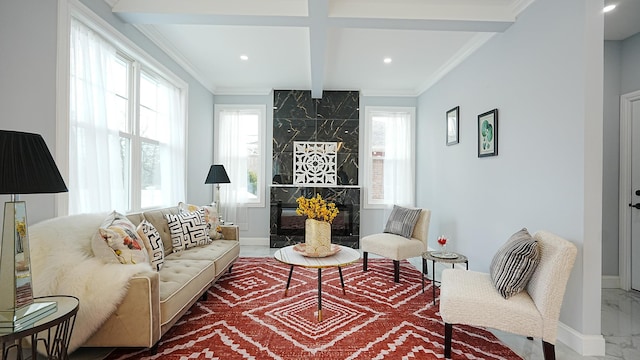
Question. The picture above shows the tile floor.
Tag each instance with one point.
(620, 325)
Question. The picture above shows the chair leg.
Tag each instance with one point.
(549, 351)
(448, 329)
(396, 271)
(365, 257)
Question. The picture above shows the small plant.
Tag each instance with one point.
(316, 208)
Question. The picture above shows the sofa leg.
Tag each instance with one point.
(204, 296)
(448, 329)
(365, 257)
(396, 271)
(154, 348)
(230, 267)
(549, 351)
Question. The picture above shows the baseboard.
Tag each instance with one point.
(254, 241)
(611, 282)
(585, 345)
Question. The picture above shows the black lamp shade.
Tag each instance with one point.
(217, 175)
(26, 165)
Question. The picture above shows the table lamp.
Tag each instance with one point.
(217, 175)
(26, 167)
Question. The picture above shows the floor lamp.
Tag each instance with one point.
(217, 175)
(26, 167)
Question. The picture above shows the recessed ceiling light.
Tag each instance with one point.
(244, 57)
(387, 60)
(609, 8)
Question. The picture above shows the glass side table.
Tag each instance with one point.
(51, 334)
(437, 256)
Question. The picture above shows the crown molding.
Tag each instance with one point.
(474, 44)
(159, 40)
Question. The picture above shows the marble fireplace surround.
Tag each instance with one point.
(335, 118)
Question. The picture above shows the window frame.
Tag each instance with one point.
(369, 113)
(261, 110)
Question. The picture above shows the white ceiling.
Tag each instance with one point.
(330, 44)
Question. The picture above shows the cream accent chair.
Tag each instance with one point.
(396, 247)
(469, 297)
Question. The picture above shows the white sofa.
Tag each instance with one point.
(124, 305)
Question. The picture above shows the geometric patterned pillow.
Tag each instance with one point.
(402, 221)
(120, 235)
(514, 263)
(188, 230)
(210, 215)
(153, 242)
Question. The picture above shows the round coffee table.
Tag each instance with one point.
(343, 257)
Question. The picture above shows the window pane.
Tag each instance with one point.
(125, 158)
(148, 106)
(378, 124)
(251, 127)
(151, 185)
(118, 95)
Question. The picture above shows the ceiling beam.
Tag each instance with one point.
(318, 11)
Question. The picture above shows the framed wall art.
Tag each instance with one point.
(488, 133)
(453, 122)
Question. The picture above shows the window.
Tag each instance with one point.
(389, 156)
(240, 134)
(126, 128)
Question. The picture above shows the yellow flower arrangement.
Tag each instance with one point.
(21, 228)
(316, 208)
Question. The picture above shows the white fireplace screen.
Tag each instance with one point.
(315, 163)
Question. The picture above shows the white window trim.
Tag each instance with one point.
(262, 109)
(368, 112)
(74, 8)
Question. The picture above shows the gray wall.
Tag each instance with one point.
(28, 80)
(621, 76)
(544, 75)
(28, 48)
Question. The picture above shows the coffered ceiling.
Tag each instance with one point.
(320, 44)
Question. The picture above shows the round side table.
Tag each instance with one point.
(50, 334)
(436, 256)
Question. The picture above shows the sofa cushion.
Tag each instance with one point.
(514, 263)
(121, 237)
(402, 221)
(153, 243)
(188, 230)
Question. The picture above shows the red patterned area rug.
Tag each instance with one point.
(248, 316)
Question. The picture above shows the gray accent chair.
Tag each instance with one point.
(396, 247)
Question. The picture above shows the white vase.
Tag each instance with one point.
(317, 237)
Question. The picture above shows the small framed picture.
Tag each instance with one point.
(488, 133)
(453, 122)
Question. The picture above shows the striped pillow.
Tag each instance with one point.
(513, 265)
(402, 221)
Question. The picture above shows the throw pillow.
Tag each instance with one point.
(187, 229)
(121, 237)
(514, 263)
(210, 217)
(402, 221)
(153, 243)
